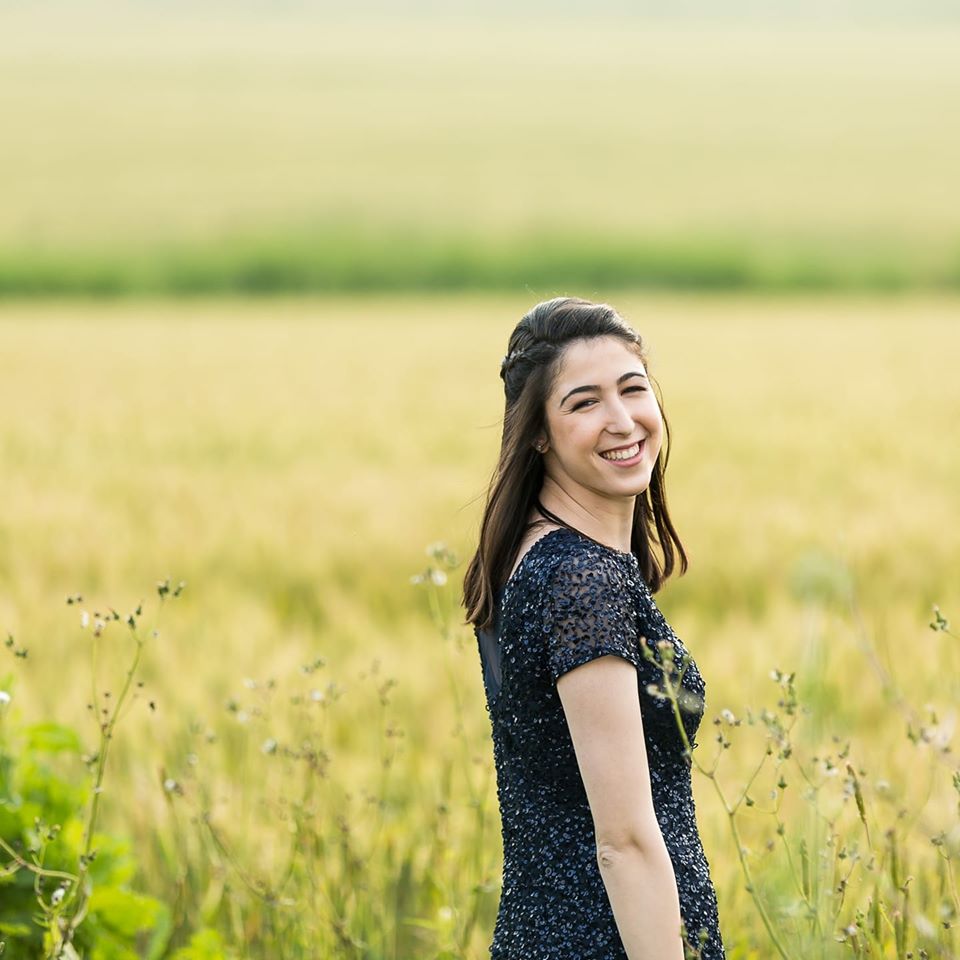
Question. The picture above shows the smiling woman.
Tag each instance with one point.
(602, 854)
(574, 378)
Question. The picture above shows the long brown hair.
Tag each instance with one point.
(529, 370)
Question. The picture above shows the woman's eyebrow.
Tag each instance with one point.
(594, 386)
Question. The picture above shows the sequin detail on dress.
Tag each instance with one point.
(570, 600)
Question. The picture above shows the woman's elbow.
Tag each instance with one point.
(615, 845)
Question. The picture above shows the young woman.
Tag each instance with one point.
(602, 855)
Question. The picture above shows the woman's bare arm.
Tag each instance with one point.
(602, 705)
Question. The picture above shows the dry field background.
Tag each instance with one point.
(292, 459)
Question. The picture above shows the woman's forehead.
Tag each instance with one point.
(602, 356)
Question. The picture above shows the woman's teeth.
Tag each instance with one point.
(622, 454)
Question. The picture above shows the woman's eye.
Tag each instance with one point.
(583, 403)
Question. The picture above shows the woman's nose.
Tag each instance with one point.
(620, 419)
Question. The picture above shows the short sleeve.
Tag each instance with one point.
(588, 613)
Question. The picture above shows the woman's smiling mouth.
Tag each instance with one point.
(625, 455)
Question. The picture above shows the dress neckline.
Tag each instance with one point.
(576, 533)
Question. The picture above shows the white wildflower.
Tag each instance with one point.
(84, 619)
(438, 577)
(4, 698)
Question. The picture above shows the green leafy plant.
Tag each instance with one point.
(66, 885)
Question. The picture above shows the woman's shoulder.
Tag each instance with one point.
(580, 563)
(564, 556)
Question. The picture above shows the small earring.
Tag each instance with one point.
(540, 447)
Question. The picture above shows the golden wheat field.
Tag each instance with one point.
(291, 460)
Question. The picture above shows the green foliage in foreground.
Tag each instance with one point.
(348, 258)
(854, 866)
(66, 887)
(42, 841)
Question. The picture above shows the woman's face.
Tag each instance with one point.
(602, 401)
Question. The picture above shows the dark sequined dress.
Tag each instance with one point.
(570, 600)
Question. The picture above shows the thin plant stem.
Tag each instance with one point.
(731, 815)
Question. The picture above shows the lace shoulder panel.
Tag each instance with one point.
(589, 610)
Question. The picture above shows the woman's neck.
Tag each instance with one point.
(609, 522)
